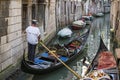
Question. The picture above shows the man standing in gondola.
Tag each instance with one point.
(33, 36)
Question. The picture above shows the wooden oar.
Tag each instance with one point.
(78, 76)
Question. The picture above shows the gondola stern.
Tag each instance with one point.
(102, 45)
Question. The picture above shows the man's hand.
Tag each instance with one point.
(41, 40)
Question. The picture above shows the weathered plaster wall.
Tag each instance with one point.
(114, 10)
(50, 22)
(116, 22)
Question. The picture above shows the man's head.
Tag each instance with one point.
(34, 22)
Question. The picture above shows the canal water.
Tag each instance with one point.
(99, 27)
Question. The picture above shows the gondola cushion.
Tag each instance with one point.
(44, 54)
(38, 61)
(63, 58)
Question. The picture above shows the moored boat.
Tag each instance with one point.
(103, 66)
(65, 32)
(87, 19)
(45, 62)
(100, 14)
(80, 24)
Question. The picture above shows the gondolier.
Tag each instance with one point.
(103, 61)
(44, 64)
(33, 36)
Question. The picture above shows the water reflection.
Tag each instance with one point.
(100, 27)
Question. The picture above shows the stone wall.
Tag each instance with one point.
(11, 43)
(114, 10)
(50, 22)
(115, 20)
(12, 36)
(117, 25)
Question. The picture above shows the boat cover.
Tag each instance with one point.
(65, 32)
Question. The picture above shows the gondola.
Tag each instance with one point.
(100, 14)
(45, 62)
(104, 64)
(77, 25)
(87, 19)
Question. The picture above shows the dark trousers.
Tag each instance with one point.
(31, 52)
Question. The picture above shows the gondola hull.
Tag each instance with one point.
(98, 15)
(77, 25)
(32, 68)
(98, 63)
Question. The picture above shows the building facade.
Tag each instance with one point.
(15, 16)
(115, 20)
(11, 42)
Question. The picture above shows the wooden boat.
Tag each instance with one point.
(100, 14)
(77, 25)
(104, 64)
(65, 32)
(45, 62)
(87, 19)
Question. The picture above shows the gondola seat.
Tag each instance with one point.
(42, 61)
(63, 58)
(46, 55)
(38, 61)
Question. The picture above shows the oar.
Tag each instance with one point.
(78, 76)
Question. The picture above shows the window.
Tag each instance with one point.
(41, 13)
(24, 16)
(4, 13)
(33, 12)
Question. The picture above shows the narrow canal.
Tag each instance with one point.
(99, 27)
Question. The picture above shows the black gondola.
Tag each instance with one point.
(45, 63)
(105, 61)
(100, 14)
